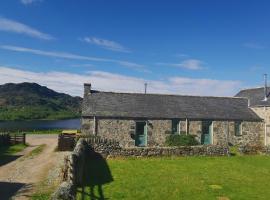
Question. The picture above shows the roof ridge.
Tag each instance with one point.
(177, 95)
(254, 88)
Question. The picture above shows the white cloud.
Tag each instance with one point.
(106, 44)
(66, 55)
(191, 64)
(131, 65)
(72, 83)
(27, 2)
(17, 27)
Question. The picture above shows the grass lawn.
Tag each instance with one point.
(11, 150)
(202, 178)
(50, 131)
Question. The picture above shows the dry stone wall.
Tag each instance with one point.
(112, 149)
(73, 172)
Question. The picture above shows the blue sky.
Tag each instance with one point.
(210, 47)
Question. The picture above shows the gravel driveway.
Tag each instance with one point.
(21, 175)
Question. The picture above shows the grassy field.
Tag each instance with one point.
(11, 150)
(202, 178)
(50, 131)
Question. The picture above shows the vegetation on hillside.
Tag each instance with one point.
(25, 101)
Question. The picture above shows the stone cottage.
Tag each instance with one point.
(259, 102)
(136, 119)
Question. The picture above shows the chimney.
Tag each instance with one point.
(87, 88)
(265, 87)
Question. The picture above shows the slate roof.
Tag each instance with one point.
(256, 96)
(134, 105)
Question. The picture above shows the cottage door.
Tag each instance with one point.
(206, 132)
(141, 134)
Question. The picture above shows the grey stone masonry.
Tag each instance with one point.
(123, 131)
(112, 149)
(252, 133)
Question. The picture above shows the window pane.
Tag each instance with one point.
(175, 126)
(237, 128)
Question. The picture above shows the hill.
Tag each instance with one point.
(25, 101)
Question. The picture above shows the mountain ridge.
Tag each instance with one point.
(26, 101)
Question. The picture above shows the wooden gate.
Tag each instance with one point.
(17, 138)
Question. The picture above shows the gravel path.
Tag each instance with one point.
(24, 173)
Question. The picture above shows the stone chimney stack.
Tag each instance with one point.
(87, 88)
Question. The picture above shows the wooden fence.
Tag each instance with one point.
(17, 138)
(11, 139)
(66, 142)
(4, 139)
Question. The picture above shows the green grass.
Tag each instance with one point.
(51, 131)
(36, 151)
(11, 150)
(41, 196)
(189, 178)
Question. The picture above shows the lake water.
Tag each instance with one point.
(40, 125)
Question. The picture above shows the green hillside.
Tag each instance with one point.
(26, 101)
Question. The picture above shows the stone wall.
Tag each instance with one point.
(73, 172)
(87, 126)
(195, 128)
(183, 126)
(157, 131)
(123, 131)
(120, 130)
(112, 149)
(224, 133)
(220, 132)
(252, 134)
(264, 113)
(254, 149)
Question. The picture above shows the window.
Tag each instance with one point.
(175, 126)
(238, 128)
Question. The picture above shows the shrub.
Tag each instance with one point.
(181, 140)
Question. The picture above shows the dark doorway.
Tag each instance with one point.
(206, 132)
(141, 134)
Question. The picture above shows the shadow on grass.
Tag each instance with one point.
(96, 174)
(6, 158)
(7, 189)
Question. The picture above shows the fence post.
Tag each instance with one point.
(24, 139)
